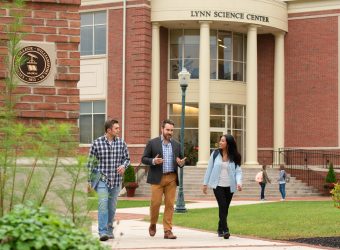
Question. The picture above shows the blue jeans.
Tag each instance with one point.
(263, 186)
(282, 188)
(107, 201)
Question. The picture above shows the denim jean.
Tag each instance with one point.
(282, 188)
(263, 186)
(107, 201)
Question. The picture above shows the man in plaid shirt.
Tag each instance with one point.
(109, 157)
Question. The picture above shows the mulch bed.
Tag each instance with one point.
(320, 241)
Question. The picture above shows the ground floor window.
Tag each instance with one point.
(231, 119)
(91, 120)
(190, 129)
(224, 118)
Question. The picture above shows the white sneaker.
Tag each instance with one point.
(282, 199)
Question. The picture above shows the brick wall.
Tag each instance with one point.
(265, 68)
(57, 22)
(311, 83)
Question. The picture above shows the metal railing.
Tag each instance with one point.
(307, 165)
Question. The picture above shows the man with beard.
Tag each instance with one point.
(163, 155)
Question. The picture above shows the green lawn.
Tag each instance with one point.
(280, 220)
(92, 203)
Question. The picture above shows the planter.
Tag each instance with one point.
(131, 188)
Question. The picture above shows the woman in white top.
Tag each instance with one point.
(224, 175)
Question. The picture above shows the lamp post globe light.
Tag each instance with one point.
(183, 78)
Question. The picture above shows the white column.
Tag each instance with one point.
(204, 101)
(279, 92)
(155, 81)
(251, 127)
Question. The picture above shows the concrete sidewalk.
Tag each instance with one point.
(131, 232)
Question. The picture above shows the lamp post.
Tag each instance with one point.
(183, 77)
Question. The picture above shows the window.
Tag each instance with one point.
(184, 50)
(91, 120)
(93, 33)
(231, 119)
(190, 129)
(227, 54)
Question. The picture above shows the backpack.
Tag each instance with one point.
(216, 152)
(259, 177)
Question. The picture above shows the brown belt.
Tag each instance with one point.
(168, 173)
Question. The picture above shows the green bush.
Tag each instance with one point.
(331, 177)
(129, 175)
(30, 228)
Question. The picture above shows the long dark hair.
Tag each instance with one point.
(233, 153)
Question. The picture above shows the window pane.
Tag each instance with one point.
(100, 39)
(217, 121)
(99, 18)
(175, 51)
(192, 65)
(86, 40)
(213, 54)
(224, 70)
(85, 107)
(237, 122)
(98, 123)
(237, 110)
(238, 47)
(213, 73)
(213, 38)
(85, 128)
(224, 45)
(191, 51)
(176, 36)
(190, 145)
(238, 71)
(190, 109)
(175, 68)
(99, 107)
(86, 19)
(192, 37)
(217, 109)
(214, 139)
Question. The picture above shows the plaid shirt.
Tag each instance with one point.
(108, 157)
(167, 157)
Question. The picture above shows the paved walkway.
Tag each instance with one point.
(131, 232)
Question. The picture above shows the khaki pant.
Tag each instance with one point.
(167, 186)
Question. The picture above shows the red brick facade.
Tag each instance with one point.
(311, 82)
(57, 22)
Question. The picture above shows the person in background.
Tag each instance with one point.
(164, 156)
(282, 182)
(265, 180)
(108, 159)
(224, 176)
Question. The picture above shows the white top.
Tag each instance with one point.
(224, 180)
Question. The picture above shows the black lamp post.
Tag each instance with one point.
(183, 77)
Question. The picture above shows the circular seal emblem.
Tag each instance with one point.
(35, 64)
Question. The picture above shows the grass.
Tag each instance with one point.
(92, 203)
(280, 220)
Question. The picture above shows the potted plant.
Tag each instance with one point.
(330, 179)
(336, 195)
(130, 181)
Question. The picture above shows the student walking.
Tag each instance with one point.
(163, 155)
(108, 159)
(282, 182)
(224, 176)
(263, 183)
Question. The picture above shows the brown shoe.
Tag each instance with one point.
(152, 229)
(169, 235)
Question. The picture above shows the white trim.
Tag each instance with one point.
(123, 70)
(308, 6)
(95, 8)
(313, 16)
(312, 148)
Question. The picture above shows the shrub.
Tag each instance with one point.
(331, 177)
(336, 195)
(29, 227)
(129, 175)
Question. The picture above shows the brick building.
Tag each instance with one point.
(270, 73)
